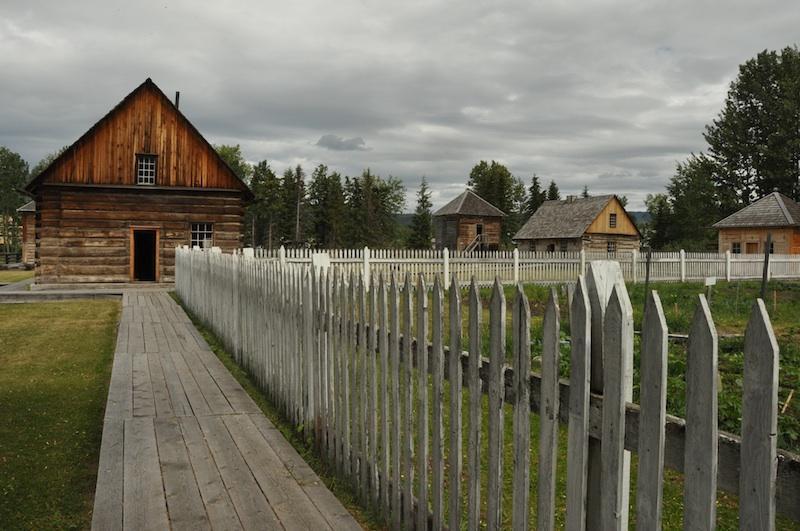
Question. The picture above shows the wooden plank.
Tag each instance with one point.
(422, 408)
(361, 352)
(372, 395)
(161, 399)
(211, 392)
(521, 354)
(384, 394)
(251, 505)
(143, 401)
(617, 349)
(291, 505)
(396, 421)
(408, 405)
(497, 351)
(120, 389)
(437, 397)
(475, 387)
(455, 377)
(236, 396)
(161, 338)
(135, 336)
(219, 508)
(700, 457)
(759, 423)
(190, 387)
(107, 513)
(177, 396)
(548, 414)
(328, 505)
(578, 429)
(122, 336)
(143, 495)
(653, 403)
(184, 504)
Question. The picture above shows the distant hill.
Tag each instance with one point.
(404, 219)
(640, 218)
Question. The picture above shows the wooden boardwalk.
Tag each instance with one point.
(184, 446)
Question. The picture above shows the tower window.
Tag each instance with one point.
(612, 220)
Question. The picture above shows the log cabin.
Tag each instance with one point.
(27, 217)
(597, 224)
(142, 180)
(745, 231)
(468, 223)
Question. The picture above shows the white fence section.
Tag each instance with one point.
(361, 368)
(522, 266)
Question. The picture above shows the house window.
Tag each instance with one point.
(563, 246)
(611, 247)
(736, 247)
(771, 247)
(146, 169)
(202, 235)
(612, 220)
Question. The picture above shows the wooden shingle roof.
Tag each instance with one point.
(773, 210)
(469, 203)
(567, 218)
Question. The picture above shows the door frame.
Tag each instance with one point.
(157, 230)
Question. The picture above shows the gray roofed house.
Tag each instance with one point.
(746, 230)
(598, 223)
(468, 223)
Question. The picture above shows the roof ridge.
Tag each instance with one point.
(464, 197)
(782, 205)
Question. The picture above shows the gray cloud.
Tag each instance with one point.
(605, 94)
(337, 143)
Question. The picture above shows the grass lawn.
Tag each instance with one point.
(8, 276)
(55, 364)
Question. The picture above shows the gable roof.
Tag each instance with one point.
(468, 203)
(148, 84)
(773, 210)
(30, 206)
(568, 218)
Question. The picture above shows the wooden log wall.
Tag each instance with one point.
(83, 235)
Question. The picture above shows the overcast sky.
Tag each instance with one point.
(604, 93)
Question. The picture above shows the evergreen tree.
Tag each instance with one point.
(585, 193)
(13, 176)
(372, 206)
(293, 195)
(326, 207)
(552, 192)
(233, 156)
(755, 141)
(421, 223)
(536, 196)
(263, 213)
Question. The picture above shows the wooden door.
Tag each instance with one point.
(751, 248)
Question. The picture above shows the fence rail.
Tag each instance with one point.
(523, 266)
(360, 364)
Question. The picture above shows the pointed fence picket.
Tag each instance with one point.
(361, 367)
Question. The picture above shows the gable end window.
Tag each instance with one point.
(146, 166)
(736, 248)
(202, 235)
(612, 220)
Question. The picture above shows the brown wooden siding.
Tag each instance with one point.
(84, 234)
(457, 232)
(786, 240)
(590, 242)
(145, 123)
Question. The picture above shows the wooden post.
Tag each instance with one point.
(282, 255)
(422, 410)
(583, 262)
(765, 274)
(516, 265)
(366, 268)
(497, 350)
(700, 458)
(474, 439)
(578, 432)
(759, 423)
(454, 367)
(634, 265)
(548, 415)
(728, 265)
(437, 435)
(653, 403)
(446, 263)
(683, 265)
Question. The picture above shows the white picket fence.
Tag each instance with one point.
(360, 366)
(522, 266)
